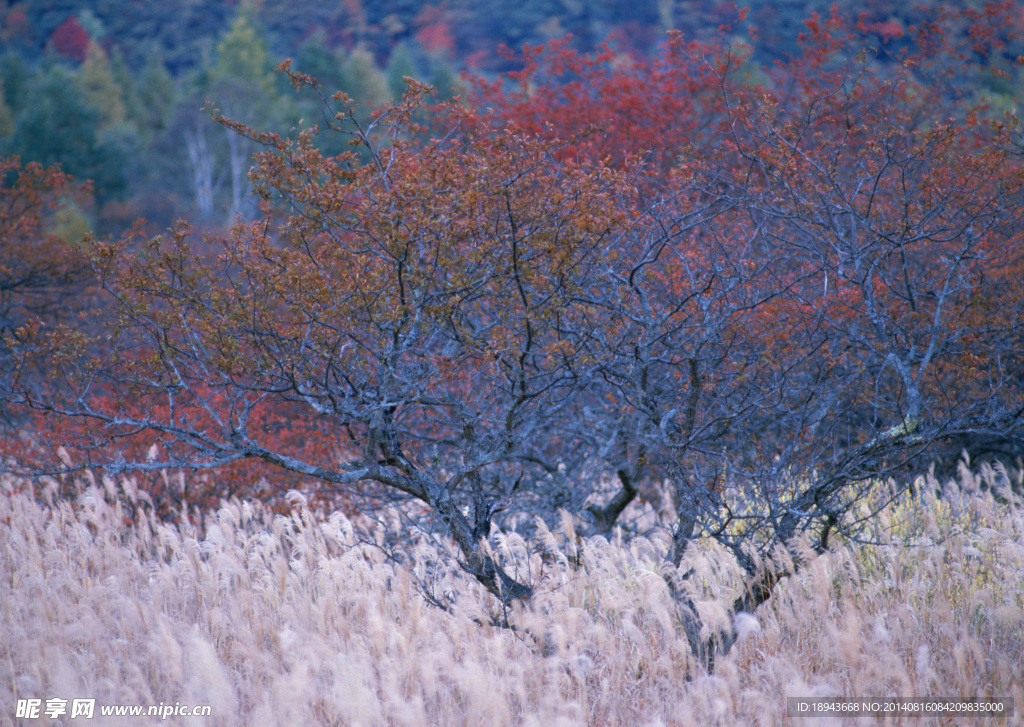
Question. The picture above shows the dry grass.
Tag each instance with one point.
(294, 620)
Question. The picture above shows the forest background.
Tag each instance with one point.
(115, 91)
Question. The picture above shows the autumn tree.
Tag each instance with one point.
(425, 309)
(765, 294)
(822, 292)
(43, 277)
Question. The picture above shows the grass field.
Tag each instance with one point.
(305, 620)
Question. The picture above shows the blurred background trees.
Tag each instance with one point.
(115, 91)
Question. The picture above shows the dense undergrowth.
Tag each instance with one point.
(309, 619)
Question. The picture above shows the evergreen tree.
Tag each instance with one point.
(364, 82)
(58, 126)
(99, 87)
(16, 75)
(155, 98)
(6, 116)
(400, 65)
(243, 60)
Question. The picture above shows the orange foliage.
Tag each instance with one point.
(659, 269)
